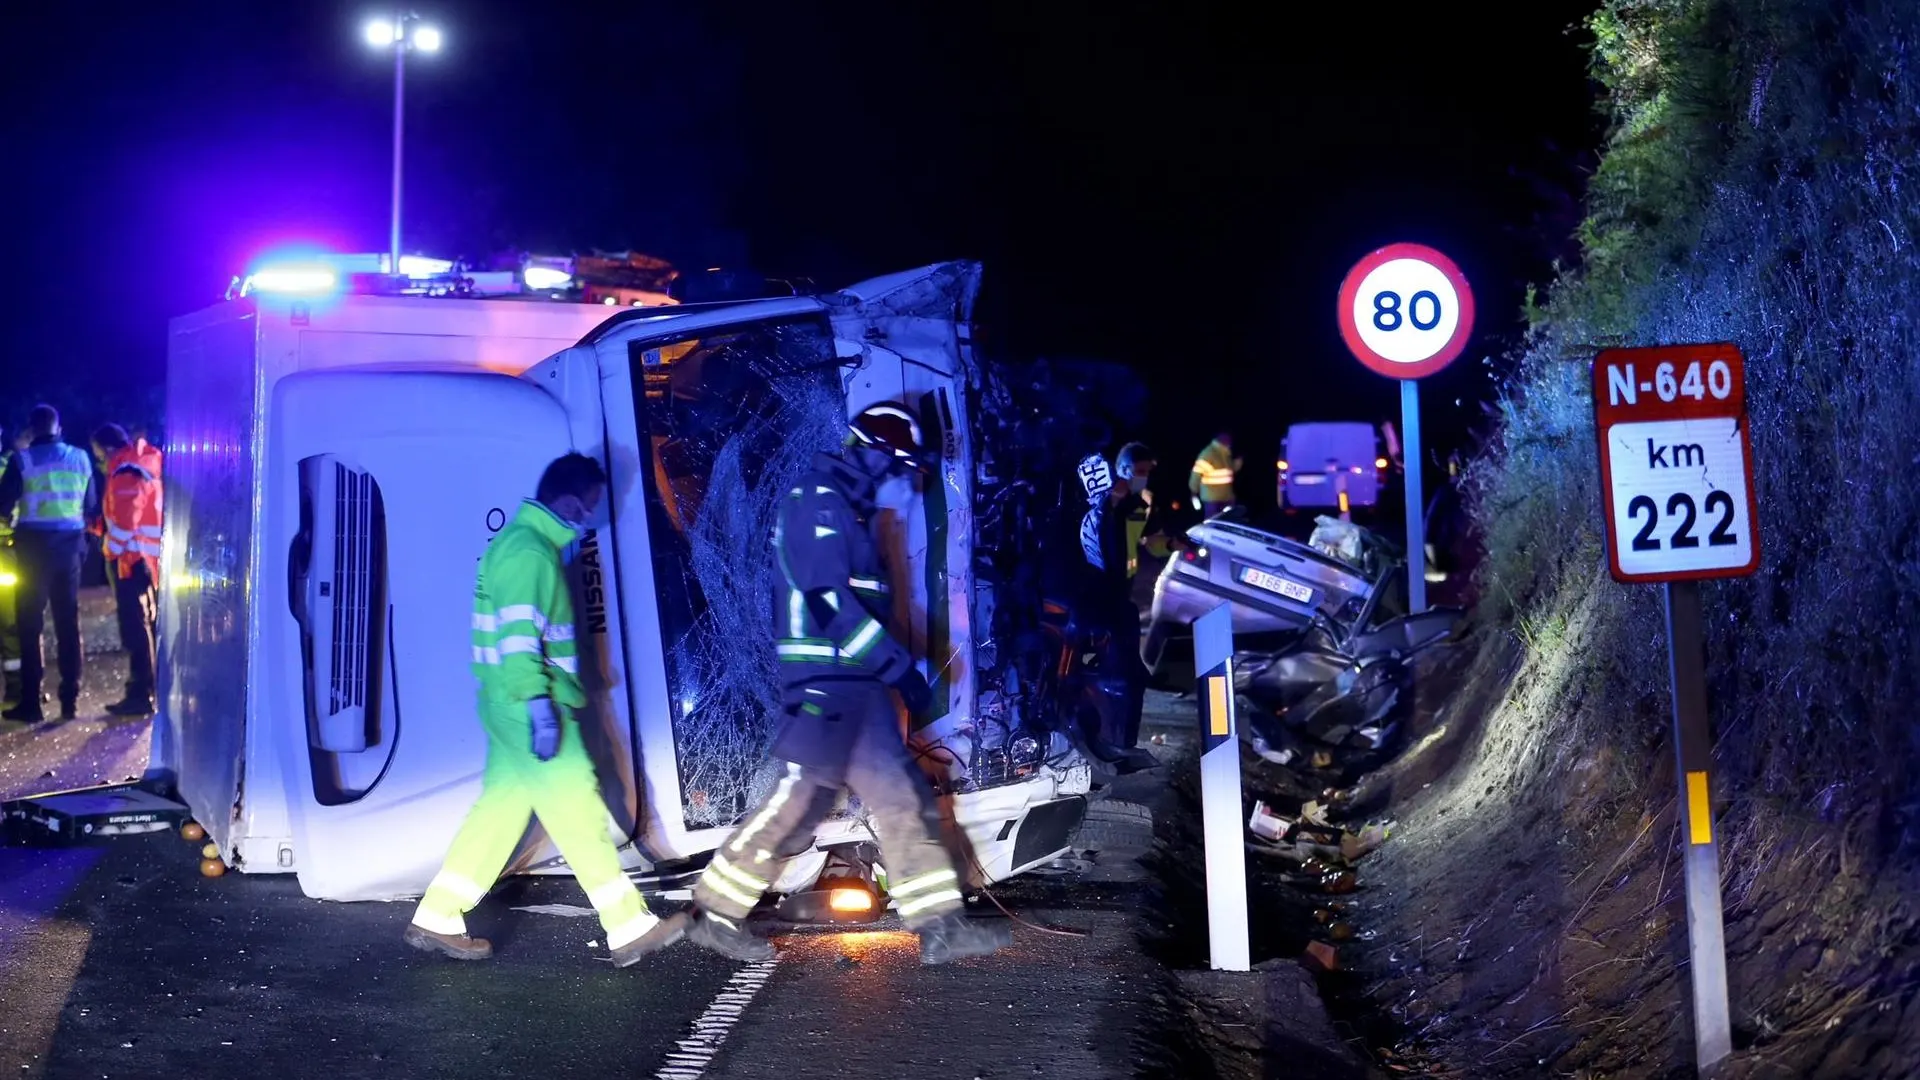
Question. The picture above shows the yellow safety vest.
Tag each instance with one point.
(1212, 478)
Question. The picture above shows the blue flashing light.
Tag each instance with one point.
(301, 280)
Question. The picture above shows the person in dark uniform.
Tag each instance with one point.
(1103, 604)
(53, 484)
(840, 728)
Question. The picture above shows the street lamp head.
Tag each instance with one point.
(383, 33)
(426, 38)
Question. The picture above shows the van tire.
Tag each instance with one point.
(1115, 827)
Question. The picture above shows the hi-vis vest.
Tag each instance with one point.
(53, 491)
(131, 507)
(1212, 478)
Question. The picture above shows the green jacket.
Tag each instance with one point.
(523, 639)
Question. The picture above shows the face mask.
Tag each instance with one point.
(574, 513)
(895, 493)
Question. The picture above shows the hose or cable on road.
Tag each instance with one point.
(988, 893)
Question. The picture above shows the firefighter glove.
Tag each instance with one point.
(546, 728)
(914, 691)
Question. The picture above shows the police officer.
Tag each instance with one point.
(53, 485)
(1103, 602)
(840, 728)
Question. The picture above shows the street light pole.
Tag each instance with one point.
(403, 35)
(399, 125)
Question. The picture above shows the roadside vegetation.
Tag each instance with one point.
(1760, 185)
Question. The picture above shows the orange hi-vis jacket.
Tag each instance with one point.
(132, 509)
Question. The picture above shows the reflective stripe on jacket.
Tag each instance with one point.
(54, 479)
(1212, 477)
(132, 510)
(523, 641)
(831, 596)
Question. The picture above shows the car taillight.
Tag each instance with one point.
(1195, 557)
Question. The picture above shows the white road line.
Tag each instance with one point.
(691, 1055)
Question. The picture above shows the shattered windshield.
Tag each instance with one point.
(729, 423)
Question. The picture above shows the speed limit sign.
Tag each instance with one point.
(1406, 311)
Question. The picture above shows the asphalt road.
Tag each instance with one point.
(122, 961)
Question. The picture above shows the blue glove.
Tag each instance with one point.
(546, 728)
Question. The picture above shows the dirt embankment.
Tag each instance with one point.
(1527, 919)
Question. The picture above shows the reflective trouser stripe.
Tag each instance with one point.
(449, 897)
(439, 921)
(623, 913)
(923, 892)
(631, 929)
(781, 794)
(712, 879)
(727, 886)
(564, 793)
(943, 898)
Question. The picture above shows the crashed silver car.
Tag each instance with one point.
(1322, 640)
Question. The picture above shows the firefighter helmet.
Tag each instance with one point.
(893, 431)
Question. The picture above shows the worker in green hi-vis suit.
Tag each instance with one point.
(524, 657)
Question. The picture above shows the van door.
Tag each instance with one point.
(384, 489)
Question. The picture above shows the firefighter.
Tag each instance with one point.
(525, 660)
(131, 508)
(52, 483)
(1211, 481)
(840, 728)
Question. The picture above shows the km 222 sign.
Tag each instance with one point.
(1676, 465)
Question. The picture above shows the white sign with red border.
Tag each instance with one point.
(1676, 463)
(1406, 311)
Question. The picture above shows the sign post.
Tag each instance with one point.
(1676, 470)
(1220, 793)
(1406, 312)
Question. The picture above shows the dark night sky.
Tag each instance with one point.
(1176, 186)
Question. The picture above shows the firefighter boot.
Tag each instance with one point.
(955, 937)
(728, 938)
(132, 705)
(458, 946)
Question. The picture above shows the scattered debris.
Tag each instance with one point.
(1322, 956)
(571, 911)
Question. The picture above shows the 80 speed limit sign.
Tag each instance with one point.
(1406, 311)
(1676, 465)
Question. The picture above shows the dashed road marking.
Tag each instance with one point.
(691, 1055)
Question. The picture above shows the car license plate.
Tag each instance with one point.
(1274, 583)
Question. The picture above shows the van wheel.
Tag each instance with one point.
(1114, 827)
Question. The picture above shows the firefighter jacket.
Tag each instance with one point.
(523, 640)
(830, 597)
(52, 483)
(132, 509)
(1212, 478)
